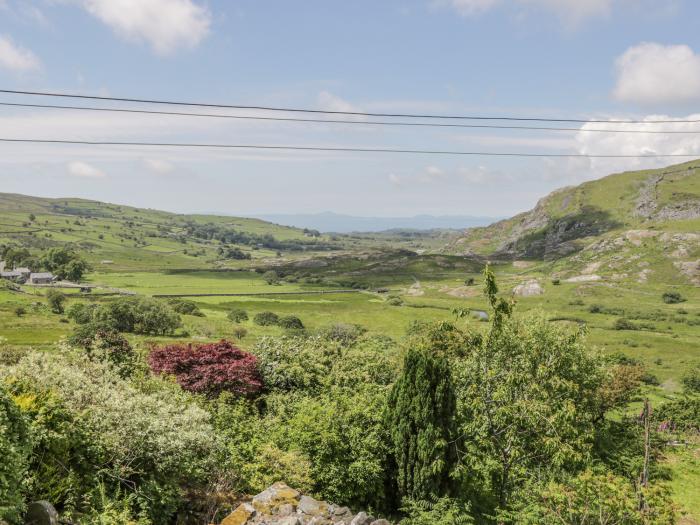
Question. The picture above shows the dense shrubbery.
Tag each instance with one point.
(266, 319)
(682, 414)
(106, 345)
(14, 451)
(691, 380)
(185, 307)
(291, 322)
(237, 315)
(672, 298)
(624, 324)
(141, 315)
(96, 431)
(208, 368)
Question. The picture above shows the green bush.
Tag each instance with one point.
(82, 313)
(624, 324)
(105, 344)
(691, 380)
(185, 307)
(14, 450)
(20, 311)
(237, 315)
(394, 300)
(266, 319)
(343, 333)
(682, 414)
(672, 298)
(291, 322)
(608, 498)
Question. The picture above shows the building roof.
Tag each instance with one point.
(41, 275)
(23, 270)
(10, 274)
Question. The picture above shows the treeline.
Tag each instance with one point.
(228, 235)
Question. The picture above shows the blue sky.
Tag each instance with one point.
(603, 59)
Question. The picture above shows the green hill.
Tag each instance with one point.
(112, 236)
(635, 226)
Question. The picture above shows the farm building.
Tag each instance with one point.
(11, 276)
(26, 272)
(41, 278)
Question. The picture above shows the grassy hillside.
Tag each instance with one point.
(119, 237)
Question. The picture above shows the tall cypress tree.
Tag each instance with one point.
(420, 421)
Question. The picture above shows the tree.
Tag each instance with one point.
(209, 368)
(56, 301)
(75, 269)
(140, 315)
(420, 420)
(529, 394)
(65, 263)
(14, 256)
(271, 277)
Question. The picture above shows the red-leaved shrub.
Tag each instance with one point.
(209, 368)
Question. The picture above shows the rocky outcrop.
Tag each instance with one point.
(528, 289)
(282, 505)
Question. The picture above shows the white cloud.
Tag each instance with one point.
(470, 7)
(78, 168)
(575, 170)
(330, 102)
(651, 73)
(159, 166)
(572, 12)
(164, 24)
(395, 179)
(16, 58)
(431, 174)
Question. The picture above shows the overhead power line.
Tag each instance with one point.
(339, 121)
(329, 112)
(339, 149)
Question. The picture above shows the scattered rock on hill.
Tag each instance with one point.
(280, 504)
(528, 288)
(584, 279)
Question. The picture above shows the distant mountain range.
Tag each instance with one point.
(338, 223)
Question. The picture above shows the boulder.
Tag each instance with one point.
(360, 519)
(282, 505)
(272, 498)
(240, 516)
(529, 288)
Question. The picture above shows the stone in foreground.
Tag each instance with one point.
(280, 504)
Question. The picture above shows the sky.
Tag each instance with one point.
(581, 59)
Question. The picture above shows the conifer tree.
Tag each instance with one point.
(421, 424)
